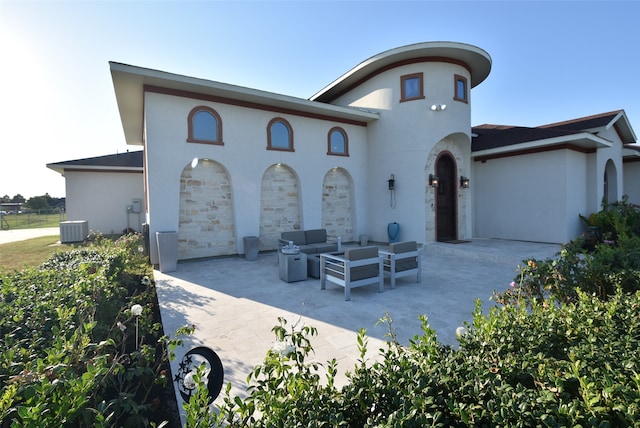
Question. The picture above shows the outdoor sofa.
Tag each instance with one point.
(312, 241)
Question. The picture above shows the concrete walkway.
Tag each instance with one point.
(13, 235)
(234, 303)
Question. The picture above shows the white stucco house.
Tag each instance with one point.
(531, 183)
(389, 141)
(106, 191)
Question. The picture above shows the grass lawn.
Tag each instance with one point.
(14, 256)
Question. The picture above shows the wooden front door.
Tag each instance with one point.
(446, 209)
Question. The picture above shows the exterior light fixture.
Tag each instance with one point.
(464, 182)
(194, 163)
(438, 107)
(433, 180)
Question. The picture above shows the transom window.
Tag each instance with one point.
(338, 143)
(460, 89)
(204, 126)
(279, 135)
(411, 87)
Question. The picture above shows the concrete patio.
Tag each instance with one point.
(234, 303)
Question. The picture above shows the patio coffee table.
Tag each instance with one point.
(313, 263)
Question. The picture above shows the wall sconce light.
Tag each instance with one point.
(438, 107)
(433, 180)
(194, 163)
(464, 182)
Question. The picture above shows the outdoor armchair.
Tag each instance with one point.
(358, 267)
(402, 259)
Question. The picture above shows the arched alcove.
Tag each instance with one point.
(206, 221)
(610, 182)
(279, 205)
(337, 204)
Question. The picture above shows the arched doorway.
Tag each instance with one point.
(446, 207)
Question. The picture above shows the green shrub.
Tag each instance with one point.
(68, 348)
(613, 219)
(610, 263)
(548, 365)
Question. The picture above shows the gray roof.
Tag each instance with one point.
(582, 132)
(128, 161)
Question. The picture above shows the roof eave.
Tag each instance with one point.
(584, 140)
(61, 168)
(129, 82)
(621, 121)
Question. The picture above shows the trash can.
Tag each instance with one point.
(251, 247)
(364, 240)
(167, 250)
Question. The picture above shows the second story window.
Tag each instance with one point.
(204, 126)
(411, 87)
(279, 135)
(338, 142)
(460, 89)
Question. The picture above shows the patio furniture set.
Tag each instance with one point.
(310, 254)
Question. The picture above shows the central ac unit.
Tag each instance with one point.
(74, 231)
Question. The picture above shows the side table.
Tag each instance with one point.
(293, 267)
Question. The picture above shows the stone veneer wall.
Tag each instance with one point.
(337, 204)
(206, 222)
(279, 205)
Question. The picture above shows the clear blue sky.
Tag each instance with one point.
(552, 61)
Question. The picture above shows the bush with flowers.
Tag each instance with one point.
(611, 263)
(81, 343)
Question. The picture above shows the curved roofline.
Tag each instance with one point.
(474, 59)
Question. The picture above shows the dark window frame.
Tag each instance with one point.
(284, 121)
(190, 137)
(346, 142)
(457, 78)
(403, 92)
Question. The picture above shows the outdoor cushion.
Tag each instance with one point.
(361, 253)
(404, 247)
(324, 248)
(315, 236)
(297, 236)
(366, 271)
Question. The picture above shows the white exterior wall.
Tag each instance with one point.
(631, 177)
(535, 197)
(401, 143)
(576, 193)
(102, 199)
(244, 155)
(613, 154)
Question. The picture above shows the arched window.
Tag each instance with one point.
(279, 135)
(338, 143)
(205, 126)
